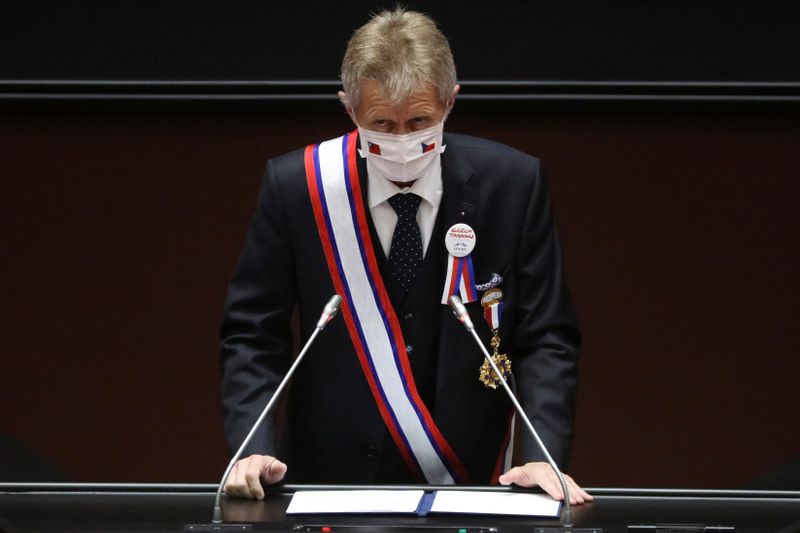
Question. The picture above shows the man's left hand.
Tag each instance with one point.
(542, 475)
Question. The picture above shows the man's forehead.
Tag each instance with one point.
(373, 94)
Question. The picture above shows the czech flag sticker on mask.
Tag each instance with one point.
(405, 157)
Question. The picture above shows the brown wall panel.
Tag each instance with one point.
(120, 231)
(681, 237)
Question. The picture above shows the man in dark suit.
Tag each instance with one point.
(395, 217)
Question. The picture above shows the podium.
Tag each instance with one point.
(53, 507)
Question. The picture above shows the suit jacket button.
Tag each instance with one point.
(371, 452)
(408, 316)
(409, 348)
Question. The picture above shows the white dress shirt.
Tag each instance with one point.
(380, 189)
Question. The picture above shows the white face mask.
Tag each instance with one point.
(405, 157)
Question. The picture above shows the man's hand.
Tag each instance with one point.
(541, 475)
(247, 474)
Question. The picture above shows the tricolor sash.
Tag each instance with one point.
(336, 199)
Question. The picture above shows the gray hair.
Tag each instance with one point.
(400, 50)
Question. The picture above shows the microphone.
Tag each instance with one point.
(328, 312)
(462, 315)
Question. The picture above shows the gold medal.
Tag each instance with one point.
(492, 301)
(488, 377)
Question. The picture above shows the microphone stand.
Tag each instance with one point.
(328, 312)
(462, 315)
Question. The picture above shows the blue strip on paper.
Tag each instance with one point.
(425, 503)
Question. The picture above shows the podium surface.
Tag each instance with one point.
(170, 507)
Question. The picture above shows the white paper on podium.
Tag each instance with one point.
(502, 503)
(355, 501)
(408, 502)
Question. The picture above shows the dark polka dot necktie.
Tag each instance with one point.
(405, 253)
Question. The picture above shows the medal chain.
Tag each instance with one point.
(488, 376)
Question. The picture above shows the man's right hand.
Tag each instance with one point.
(247, 475)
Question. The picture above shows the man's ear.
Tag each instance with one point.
(452, 100)
(347, 106)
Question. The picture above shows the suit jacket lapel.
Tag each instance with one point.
(460, 204)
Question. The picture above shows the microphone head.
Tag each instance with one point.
(329, 311)
(333, 305)
(460, 312)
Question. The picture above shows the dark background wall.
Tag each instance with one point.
(123, 210)
(646, 40)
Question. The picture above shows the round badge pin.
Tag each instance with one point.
(460, 240)
(491, 296)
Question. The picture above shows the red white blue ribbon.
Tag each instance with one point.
(338, 205)
(492, 314)
(460, 279)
